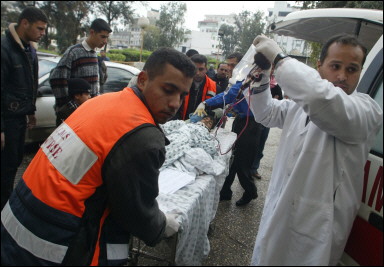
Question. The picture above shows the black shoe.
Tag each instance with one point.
(244, 200)
(225, 197)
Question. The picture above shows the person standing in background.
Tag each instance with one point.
(211, 72)
(232, 60)
(221, 77)
(19, 81)
(79, 92)
(103, 75)
(202, 88)
(248, 131)
(191, 52)
(80, 61)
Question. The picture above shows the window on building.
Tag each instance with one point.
(283, 13)
(298, 44)
(270, 13)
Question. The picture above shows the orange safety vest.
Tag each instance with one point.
(66, 170)
(209, 91)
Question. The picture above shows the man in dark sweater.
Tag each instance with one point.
(80, 61)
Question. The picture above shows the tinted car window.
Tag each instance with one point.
(117, 79)
(45, 66)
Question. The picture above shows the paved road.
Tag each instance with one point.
(235, 228)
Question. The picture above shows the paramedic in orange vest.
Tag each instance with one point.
(202, 88)
(100, 165)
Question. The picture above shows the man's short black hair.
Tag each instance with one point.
(191, 52)
(345, 39)
(156, 62)
(218, 66)
(236, 55)
(32, 14)
(199, 59)
(99, 25)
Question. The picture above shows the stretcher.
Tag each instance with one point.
(196, 205)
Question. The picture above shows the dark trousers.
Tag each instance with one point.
(12, 155)
(260, 148)
(243, 156)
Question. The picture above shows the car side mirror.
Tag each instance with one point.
(44, 91)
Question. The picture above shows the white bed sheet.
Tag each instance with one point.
(196, 206)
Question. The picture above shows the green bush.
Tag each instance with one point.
(131, 54)
(116, 57)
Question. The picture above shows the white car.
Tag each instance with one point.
(119, 76)
(365, 243)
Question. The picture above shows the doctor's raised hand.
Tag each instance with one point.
(268, 47)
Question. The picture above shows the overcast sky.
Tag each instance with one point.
(197, 9)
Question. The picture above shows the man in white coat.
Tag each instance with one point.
(327, 131)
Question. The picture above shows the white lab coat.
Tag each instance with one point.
(317, 179)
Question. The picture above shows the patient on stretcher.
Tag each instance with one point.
(192, 147)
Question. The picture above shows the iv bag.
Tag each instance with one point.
(245, 65)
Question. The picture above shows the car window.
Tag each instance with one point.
(45, 66)
(117, 79)
(378, 145)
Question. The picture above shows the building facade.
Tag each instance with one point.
(294, 47)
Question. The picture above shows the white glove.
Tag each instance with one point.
(172, 226)
(200, 111)
(268, 47)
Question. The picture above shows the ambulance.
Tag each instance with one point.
(365, 243)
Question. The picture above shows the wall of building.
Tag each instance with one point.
(290, 45)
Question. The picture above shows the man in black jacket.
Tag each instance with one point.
(221, 77)
(19, 80)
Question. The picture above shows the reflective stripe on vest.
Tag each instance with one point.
(30, 242)
(95, 127)
(65, 149)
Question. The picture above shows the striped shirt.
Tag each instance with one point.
(78, 61)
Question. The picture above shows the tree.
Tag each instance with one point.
(249, 25)
(171, 24)
(229, 39)
(151, 38)
(8, 16)
(48, 8)
(69, 19)
(117, 11)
